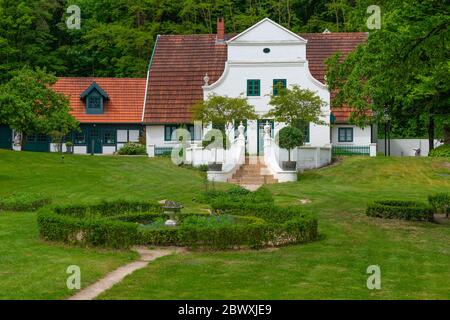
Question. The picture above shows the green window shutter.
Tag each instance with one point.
(253, 88)
(278, 82)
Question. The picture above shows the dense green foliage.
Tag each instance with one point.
(121, 224)
(401, 75)
(289, 138)
(406, 210)
(440, 202)
(441, 151)
(132, 149)
(23, 202)
(116, 37)
(28, 105)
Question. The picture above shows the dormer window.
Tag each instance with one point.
(94, 98)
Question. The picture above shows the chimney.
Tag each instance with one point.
(220, 30)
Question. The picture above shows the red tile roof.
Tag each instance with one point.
(180, 63)
(126, 99)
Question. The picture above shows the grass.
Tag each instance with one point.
(413, 256)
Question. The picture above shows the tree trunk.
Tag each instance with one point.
(446, 133)
(431, 133)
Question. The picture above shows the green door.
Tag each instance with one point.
(95, 141)
(5, 137)
(261, 124)
(37, 143)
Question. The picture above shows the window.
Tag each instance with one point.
(94, 102)
(266, 50)
(345, 134)
(170, 129)
(42, 138)
(278, 84)
(31, 138)
(109, 137)
(304, 127)
(79, 138)
(253, 88)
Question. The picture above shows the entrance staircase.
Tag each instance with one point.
(253, 174)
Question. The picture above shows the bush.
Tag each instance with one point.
(120, 224)
(23, 202)
(406, 210)
(440, 202)
(442, 151)
(132, 149)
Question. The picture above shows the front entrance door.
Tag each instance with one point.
(95, 141)
(5, 137)
(261, 124)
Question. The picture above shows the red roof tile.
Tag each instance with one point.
(126, 99)
(180, 62)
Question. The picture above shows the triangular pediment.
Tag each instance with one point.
(266, 31)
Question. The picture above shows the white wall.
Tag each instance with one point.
(404, 147)
(287, 60)
(361, 137)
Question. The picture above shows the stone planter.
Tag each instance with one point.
(289, 165)
(214, 166)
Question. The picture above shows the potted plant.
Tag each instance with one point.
(69, 147)
(289, 138)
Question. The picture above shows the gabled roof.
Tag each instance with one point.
(181, 61)
(267, 24)
(126, 98)
(92, 87)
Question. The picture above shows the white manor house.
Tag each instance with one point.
(187, 68)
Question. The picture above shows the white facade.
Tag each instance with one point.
(267, 52)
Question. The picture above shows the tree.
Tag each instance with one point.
(294, 105)
(221, 111)
(29, 105)
(402, 71)
(289, 138)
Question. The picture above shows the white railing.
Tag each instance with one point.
(271, 159)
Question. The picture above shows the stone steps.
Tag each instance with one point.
(253, 173)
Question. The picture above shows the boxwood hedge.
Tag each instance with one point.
(121, 224)
(406, 210)
(23, 202)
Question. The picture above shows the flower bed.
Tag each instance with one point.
(122, 224)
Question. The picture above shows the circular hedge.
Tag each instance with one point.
(405, 210)
(121, 224)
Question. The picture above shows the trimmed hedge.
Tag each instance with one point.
(440, 202)
(23, 202)
(405, 210)
(132, 149)
(118, 224)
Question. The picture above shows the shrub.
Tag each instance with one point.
(440, 202)
(442, 151)
(119, 224)
(406, 210)
(23, 202)
(132, 149)
(289, 138)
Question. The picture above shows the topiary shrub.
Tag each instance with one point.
(442, 151)
(405, 210)
(132, 149)
(23, 202)
(440, 202)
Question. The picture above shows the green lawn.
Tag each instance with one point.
(414, 257)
